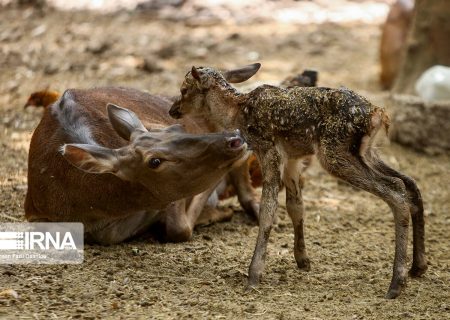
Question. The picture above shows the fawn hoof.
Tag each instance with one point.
(304, 264)
(417, 271)
(253, 281)
(392, 293)
(395, 288)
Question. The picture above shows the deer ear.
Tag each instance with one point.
(90, 158)
(124, 121)
(241, 74)
(195, 73)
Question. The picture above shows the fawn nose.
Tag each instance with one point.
(174, 111)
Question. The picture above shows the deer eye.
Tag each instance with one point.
(183, 91)
(154, 163)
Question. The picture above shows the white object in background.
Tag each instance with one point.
(434, 84)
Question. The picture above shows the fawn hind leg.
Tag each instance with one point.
(293, 182)
(419, 264)
(352, 169)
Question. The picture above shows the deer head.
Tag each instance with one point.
(168, 162)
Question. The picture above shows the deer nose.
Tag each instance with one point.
(235, 142)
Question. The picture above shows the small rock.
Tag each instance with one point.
(166, 52)
(253, 56)
(20, 187)
(407, 315)
(9, 293)
(145, 303)
(151, 66)
(51, 68)
(200, 53)
(67, 300)
(234, 36)
(135, 251)
(98, 47)
(207, 237)
(38, 30)
(9, 273)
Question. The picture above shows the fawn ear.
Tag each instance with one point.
(124, 121)
(90, 158)
(195, 73)
(241, 74)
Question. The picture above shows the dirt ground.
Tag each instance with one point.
(349, 233)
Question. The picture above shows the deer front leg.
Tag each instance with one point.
(240, 179)
(293, 182)
(180, 221)
(270, 162)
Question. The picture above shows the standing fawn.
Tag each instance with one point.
(283, 126)
(94, 162)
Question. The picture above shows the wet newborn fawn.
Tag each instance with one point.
(283, 126)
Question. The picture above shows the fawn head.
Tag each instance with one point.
(169, 162)
(205, 88)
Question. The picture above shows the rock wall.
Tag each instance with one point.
(423, 126)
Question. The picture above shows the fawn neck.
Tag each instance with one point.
(225, 107)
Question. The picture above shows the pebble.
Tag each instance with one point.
(38, 30)
(9, 293)
(151, 66)
(98, 47)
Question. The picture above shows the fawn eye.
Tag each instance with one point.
(183, 91)
(154, 163)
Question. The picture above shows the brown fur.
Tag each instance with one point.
(117, 205)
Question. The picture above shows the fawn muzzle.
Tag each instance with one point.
(175, 111)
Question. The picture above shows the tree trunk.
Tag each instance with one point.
(428, 42)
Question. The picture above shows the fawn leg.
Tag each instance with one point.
(270, 162)
(352, 169)
(419, 264)
(240, 179)
(293, 182)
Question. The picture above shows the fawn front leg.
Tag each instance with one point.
(293, 182)
(270, 163)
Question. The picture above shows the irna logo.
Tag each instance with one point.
(37, 240)
(41, 242)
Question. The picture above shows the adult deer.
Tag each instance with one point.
(284, 126)
(119, 170)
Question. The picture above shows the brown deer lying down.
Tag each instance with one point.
(101, 165)
(283, 126)
(238, 181)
